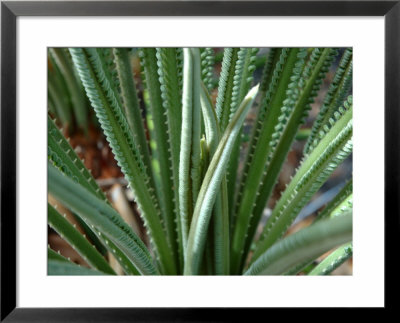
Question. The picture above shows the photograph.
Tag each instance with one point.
(144, 141)
(200, 161)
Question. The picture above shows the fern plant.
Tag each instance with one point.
(200, 186)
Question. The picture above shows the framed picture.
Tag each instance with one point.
(312, 46)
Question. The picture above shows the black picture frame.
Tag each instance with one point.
(10, 10)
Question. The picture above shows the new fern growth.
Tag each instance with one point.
(176, 131)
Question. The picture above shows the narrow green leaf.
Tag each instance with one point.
(268, 71)
(210, 186)
(55, 266)
(50, 106)
(221, 231)
(313, 172)
(189, 179)
(305, 83)
(64, 157)
(212, 129)
(58, 95)
(346, 205)
(225, 86)
(62, 268)
(168, 72)
(131, 103)
(303, 245)
(333, 209)
(244, 68)
(75, 90)
(77, 241)
(105, 100)
(299, 268)
(52, 255)
(207, 67)
(333, 261)
(270, 83)
(344, 194)
(101, 215)
(220, 216)
(337, 92)
(161, 137)
(262, 150)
